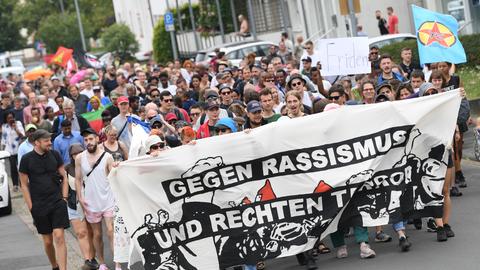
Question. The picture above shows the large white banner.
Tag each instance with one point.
(243, 198)
(344, 56)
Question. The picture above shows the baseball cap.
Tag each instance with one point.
(170, 116)
(88, 131)
(228, 123)
(307, 58)
(210, 94)
(385, 84)
(53, 78)
(154, 120)
(254, 106)
(122, 99)
(30, 126)
(41, 134)
(224, 86)
(212, 104)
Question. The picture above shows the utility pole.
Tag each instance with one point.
(80, 26)
(172, 37)
(353, 18)
(62, 8)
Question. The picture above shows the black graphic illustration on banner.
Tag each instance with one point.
(265, 226)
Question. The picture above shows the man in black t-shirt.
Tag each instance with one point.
(45, 190)
(382, 23)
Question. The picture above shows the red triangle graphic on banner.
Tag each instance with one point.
(246, 200)
(266, 192)
(322, 187)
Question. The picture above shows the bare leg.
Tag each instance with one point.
(61, 248)
(81, 231)
(90, 240)
(98, 241)
(109, 226)
(49, 249)
(447, 203)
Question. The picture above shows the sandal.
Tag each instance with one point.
(260, 265)
(323, 249)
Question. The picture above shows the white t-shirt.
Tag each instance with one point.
(171, 88)
(87, 92)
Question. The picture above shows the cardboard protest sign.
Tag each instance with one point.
(344, 56)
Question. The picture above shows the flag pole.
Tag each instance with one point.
(80, 27)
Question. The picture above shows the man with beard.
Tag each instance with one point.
(110, 81)
(45, 191)
(94, 192)
(254, 115)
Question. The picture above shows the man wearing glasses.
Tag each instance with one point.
(225, 91)
(167, 106)
(374, 58)
(336, 94)
(310, 52)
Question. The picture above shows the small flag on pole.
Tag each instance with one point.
(437, 37)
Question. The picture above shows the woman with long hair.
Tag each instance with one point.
(80, 226)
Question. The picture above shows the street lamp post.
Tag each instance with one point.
(80, 27)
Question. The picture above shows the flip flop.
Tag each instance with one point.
(323, 249)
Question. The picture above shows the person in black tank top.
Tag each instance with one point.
(114, 147)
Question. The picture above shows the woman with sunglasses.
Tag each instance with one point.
(154, 145)
(117, 149)
(298, 83)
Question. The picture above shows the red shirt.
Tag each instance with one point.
(392, 22)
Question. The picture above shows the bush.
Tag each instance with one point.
(470, 43)
(162, 48)
(119, 40)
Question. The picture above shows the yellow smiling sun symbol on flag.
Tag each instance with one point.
(431, 32)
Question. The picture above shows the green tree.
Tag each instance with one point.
(61, 30)
(97, 14)
(119, 40)
(10, 39)
(162, 50)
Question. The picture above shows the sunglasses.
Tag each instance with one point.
(194, 114)
(428, 93)
(374, 53)
(334, 97)
(226, 93)
(269, 80)
(168, 100)
(297, 84)
(172, 122)
(157, 126)
(157, 146)
(223, 130)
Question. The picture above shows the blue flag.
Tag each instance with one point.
(437, 37)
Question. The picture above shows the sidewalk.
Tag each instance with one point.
(21, 246)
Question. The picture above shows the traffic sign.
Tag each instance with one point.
(169, 22)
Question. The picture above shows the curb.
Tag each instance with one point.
(74, 255)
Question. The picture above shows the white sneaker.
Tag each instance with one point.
(366, 252)
(342, 252)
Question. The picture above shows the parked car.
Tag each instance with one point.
(385, 40)
(5, 196)
(235, 52)
(10, 65)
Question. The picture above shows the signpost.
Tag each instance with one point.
(168, 20)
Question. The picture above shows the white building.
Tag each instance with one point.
(309, 18)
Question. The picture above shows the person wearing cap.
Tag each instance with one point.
(45, 191)
(78, 122)
(427, 89)
(386, 89)
(75, 212)
(307, 66)
(154, 145)
(120, 122)
(12, 132)
(93, 190)
(62, 142)
(298, 83)
(225, 126)
(225, 91)
(254, 117)
(212, 110)
(211, 95)
(27, 145)
(310, 52)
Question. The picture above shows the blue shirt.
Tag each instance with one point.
(105, 102)
(62, 144)
(24, 148)
(395, 76)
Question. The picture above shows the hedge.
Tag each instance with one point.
(471, 43)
